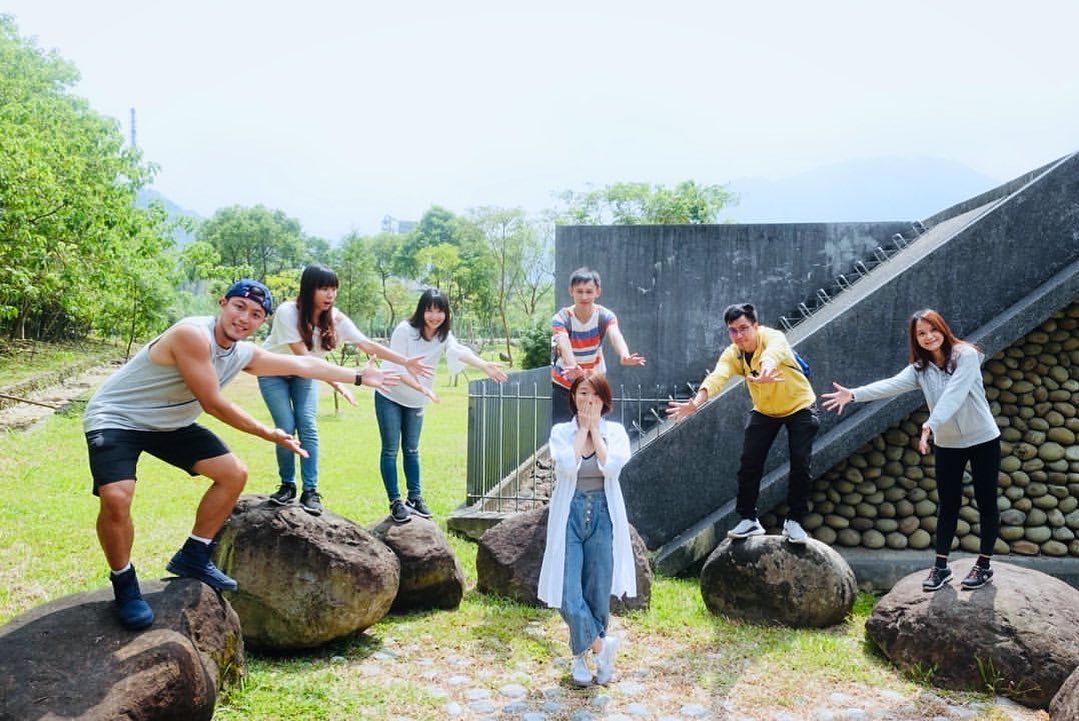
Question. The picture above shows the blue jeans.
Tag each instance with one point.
(293, 404)
(589, 569)
(397, 425)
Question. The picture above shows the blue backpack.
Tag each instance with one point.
(803, 364)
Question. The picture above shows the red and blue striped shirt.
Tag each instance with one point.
(585, 337)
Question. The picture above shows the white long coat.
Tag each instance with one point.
(624, 581)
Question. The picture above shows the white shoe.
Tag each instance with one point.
(794, 532)
(579, 671)
(605, 660)
(746, 527)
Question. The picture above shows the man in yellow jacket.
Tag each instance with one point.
(781, 397)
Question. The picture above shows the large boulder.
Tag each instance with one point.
(303, 580)
(765, 579)
(1065, 705)
(71, 658)
(1018, 635)
(510, 554)
(431, 576)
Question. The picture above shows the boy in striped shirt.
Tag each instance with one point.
(577, 333)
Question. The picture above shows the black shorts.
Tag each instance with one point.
(114, 452)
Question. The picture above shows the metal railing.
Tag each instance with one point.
(509, 424)
(861, 268)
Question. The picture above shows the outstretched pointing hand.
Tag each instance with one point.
(838, 400)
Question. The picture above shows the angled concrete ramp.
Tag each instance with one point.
(995, 267)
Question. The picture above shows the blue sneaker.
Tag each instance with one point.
(193, 561)
(134, 613)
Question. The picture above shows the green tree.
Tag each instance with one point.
(198, 260)
(383, 249)
(268, 241)
(536, 280)
(642, 203)
(69, 228)
(437, 226)
(317, 250)
(505, 232)
(141, 285)
(357, 295)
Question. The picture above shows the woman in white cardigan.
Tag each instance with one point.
(588, 557)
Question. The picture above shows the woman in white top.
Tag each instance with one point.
(948, 372)
(588, 557)
(399, 411)
(311, 325)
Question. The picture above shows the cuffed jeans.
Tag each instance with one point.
(760, 433)
(293, 404)
(984, 467)
(399, 425)
(589, 570)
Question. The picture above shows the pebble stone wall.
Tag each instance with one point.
(885, 494)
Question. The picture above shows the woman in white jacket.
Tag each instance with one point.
(948, 372)
(588, 557)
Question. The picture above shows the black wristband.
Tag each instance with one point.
(359, 378)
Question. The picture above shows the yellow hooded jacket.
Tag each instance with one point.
(778, 400)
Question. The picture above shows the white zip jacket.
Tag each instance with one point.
(959, 415)
(624, 578)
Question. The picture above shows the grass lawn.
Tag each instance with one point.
(48, 549)
(20, 360)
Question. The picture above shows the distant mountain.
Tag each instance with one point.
(898, 188)
(182, 237)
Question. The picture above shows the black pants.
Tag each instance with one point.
(984, 466)
(760, 433)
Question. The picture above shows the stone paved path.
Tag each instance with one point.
(471, 689)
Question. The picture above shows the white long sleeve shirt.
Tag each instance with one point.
(624, 579)
(407, 341)
(959, 414)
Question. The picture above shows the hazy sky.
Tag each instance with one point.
(339, 113)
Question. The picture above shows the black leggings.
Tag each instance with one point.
(984, 466)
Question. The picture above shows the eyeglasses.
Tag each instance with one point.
(734, 331)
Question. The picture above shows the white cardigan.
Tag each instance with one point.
(624, 580)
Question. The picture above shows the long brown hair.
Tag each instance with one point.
(920, 358)
(315, 276)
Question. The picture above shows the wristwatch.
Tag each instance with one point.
(359, 378)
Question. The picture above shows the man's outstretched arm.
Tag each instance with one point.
(189, 350)
(306, 366)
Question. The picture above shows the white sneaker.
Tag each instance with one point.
(605, 660)
(746, 527)
(794, 532)
(579, 671)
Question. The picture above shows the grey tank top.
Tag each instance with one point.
(145, 396)
(589, 476)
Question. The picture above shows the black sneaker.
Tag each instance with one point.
(399, 512)
(937, 578)
(284, 495)
(311, 502)
(977, 577)
(417, 506)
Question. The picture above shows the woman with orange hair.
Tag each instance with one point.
(948, 372)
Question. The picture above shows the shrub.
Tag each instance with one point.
(536, 346)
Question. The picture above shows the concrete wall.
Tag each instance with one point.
(669, 284)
